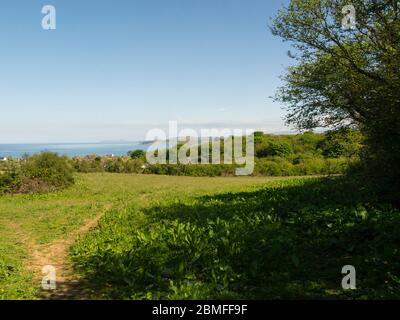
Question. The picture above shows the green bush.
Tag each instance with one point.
(196, 170)
(44, 172)
(114, 165)
(134, 166)
(88, 164)
(9, 181)
(275, 166)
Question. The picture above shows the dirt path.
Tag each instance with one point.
(68, 285)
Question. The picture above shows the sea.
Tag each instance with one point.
(71, 149)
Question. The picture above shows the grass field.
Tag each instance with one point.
(119, 236)
(34, 227)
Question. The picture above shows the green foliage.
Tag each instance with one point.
(15, 283)
(276, 155)
(8, 181)
(137, 154)
(92, 164)
(288, 239)
(195, 170)
(10, 177)
(344, 142)
(279, 149)
(347, 78)
(42, 172)
(88, 164)
(258, 136)
(45, 171)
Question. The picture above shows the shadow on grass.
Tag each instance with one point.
(289, 239)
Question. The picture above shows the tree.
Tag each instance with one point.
(338, 143)
(347, 77)
(274, 148)
(137, 154)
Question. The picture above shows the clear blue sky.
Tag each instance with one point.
(114, 69)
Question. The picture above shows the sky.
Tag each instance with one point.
(112, 70)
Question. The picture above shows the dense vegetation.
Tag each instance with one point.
(276, 155)
(39, 173)
(288, 239)
(347, 76)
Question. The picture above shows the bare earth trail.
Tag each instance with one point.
(68, 284)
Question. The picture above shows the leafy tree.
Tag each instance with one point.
(280, 149)
(347, 77)
(274, 148)
(338, 143)
(136, 154)
(258, 136)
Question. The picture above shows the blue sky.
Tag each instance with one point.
(115, 69)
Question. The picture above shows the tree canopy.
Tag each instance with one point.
(346, 77)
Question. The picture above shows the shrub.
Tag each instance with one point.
(134, 166)
(88, 164)
(45, 172)
(114, 165)
(9, 181)
(204, 170)
(272, 167)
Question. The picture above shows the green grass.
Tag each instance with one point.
(39, 219)
(286, 239)
(177, 237)
(15, 282)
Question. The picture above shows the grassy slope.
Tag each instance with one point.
(27, 221)
(287, 239)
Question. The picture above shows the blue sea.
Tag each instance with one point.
(71, 149)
